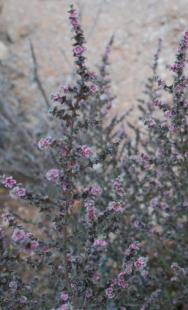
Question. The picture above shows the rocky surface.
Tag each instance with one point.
(137, 26)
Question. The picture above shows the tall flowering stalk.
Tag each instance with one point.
(76, 248)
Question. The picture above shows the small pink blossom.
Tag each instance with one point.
(19, 235)
(100, 244)
(151, 123)
(92, 75)
(8, 182)
(134, 246)
(44, 143)
(93, 88)
(168, 114)
(64, 307)
(53, 175)
(122, 283)
(46, 249)
(178, 88)
(64, 297)
(34, 245)
(118, 187)
(78, 50)
(88, 204)
(91, 214)
(109, 292)
(128, 268)
(96, 191)
(18, 192)
(96, 277)
(86, 151)
(74, 20)
(121, 280)
(116, 207)
(185, 104)
(140, 263)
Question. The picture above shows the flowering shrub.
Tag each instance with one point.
(110, 232)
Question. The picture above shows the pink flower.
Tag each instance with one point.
(93, 88)
(185, 104)
(78, 50)
(53, 175)
(64, 297)
(96, 277)
(44, 143)
(34, 245)
(116, 207)
(122, 283)
(118, 186)
(19, 235)
(18, 192)
(128, 268)
(99, 243)
(86, 151)
(168, 114)
(121, 280)
(178, 88)
(134, 246)
(73, 14)
(140, 263)
(8, 182)
(88, 204)
(74, 20)
(96, 191)
(46, 249)
(109, 292)
(91, 214)
(151, 123)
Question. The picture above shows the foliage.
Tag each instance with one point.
(111, 229)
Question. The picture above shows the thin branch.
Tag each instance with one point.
(36, 75)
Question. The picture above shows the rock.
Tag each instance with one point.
(15, 33)
(3, 51)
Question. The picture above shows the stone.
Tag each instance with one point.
(3, 51)
(15, 33)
